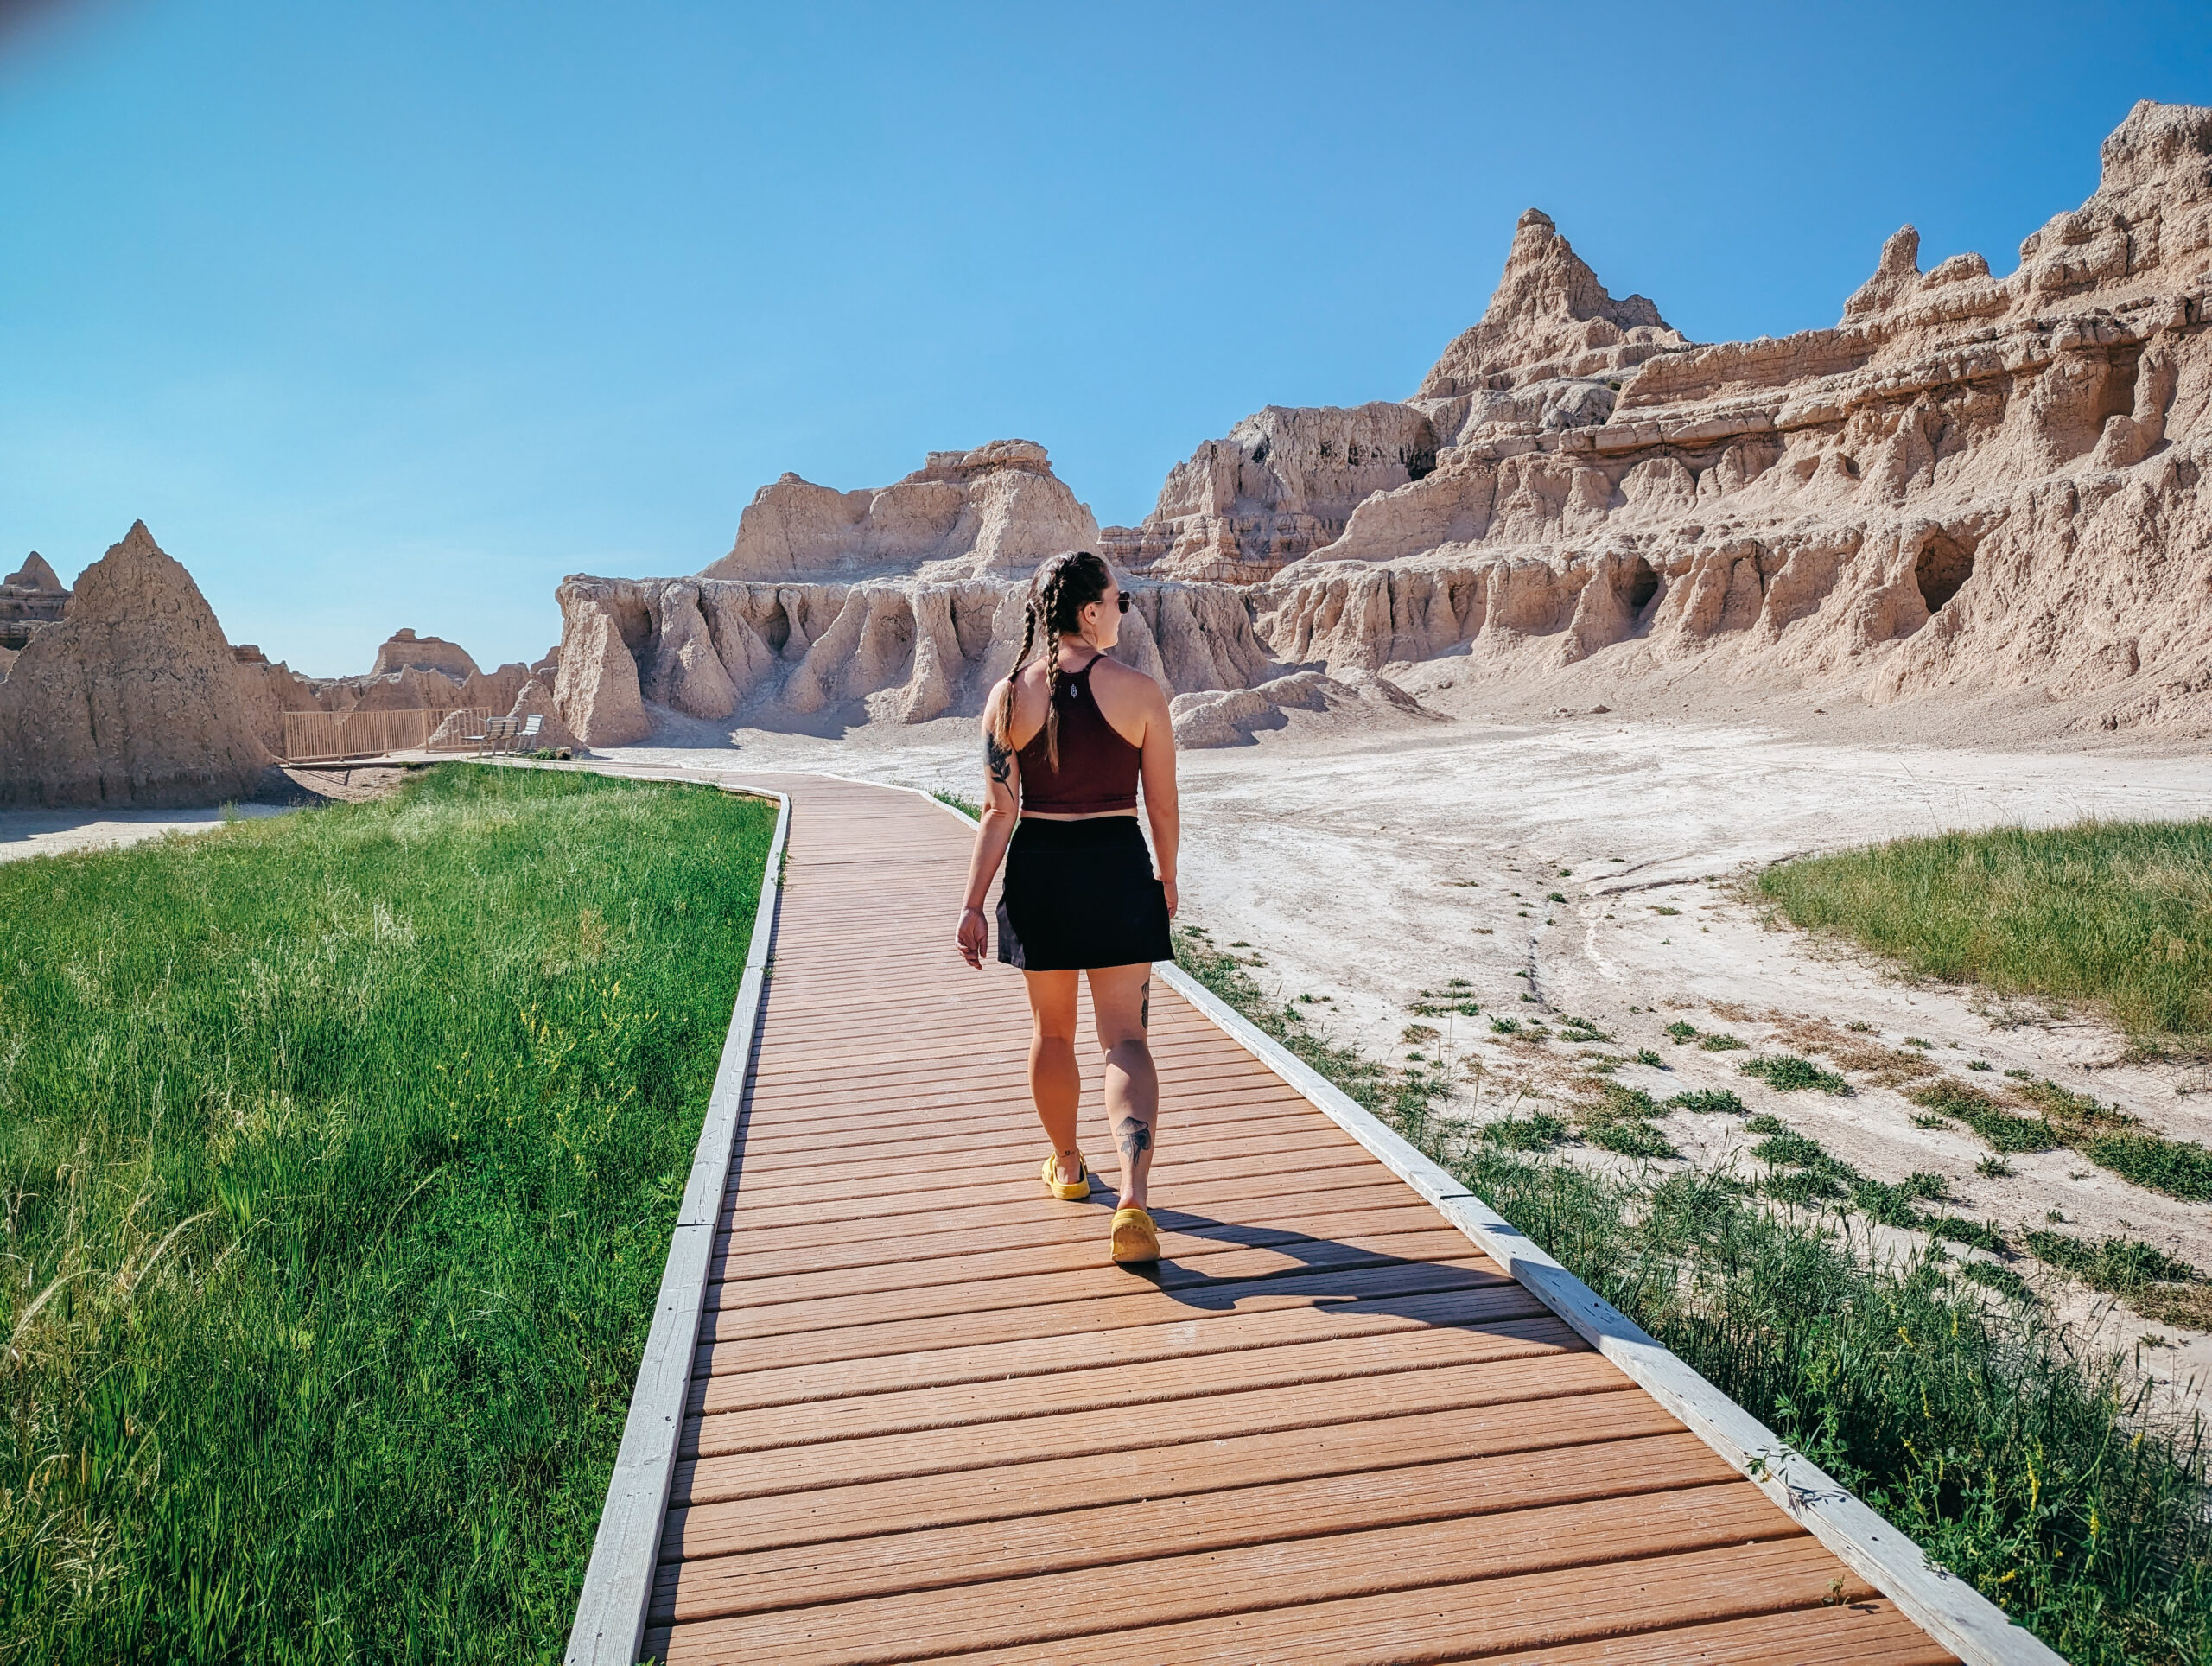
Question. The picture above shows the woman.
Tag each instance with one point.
(1067, 735)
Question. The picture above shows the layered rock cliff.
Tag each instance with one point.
(903, 604)
(1969, 485)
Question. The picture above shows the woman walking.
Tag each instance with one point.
(1067, 737)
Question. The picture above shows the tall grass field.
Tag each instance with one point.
(340, 1153)
(2117, 914)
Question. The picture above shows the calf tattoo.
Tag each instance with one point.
(1134, 1138)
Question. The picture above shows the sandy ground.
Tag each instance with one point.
(1363, 869)
(58, 832)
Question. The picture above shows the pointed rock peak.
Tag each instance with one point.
(1545, 280)
(1896, 271)
(34, 575)
(1549, 316)
(139, 540)
(2161, 144)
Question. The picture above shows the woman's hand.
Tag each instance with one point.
(974, 936)
(1168, 886)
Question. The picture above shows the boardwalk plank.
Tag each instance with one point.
(719, 1586)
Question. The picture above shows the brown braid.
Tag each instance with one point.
(1004, 723)
(1049, 604)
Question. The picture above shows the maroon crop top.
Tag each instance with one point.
(1098, 768)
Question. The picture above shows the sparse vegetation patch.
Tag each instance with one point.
(1707, 1101)
(1787, 1073)
(1932, 1388)
(2143, 1275)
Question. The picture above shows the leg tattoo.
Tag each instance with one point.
(1133, 1139)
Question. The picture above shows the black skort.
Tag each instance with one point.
(1080, 894)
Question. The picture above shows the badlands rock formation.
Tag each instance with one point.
(411, 673)
(998, 508)
(1968, 485)
(903, 603)
(404, 651)
(31, 598)
(125, 693)
(132, 699)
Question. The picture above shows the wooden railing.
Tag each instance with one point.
(325, 737)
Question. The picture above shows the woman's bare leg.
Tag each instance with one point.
(1055, 1078)
(1121, 997)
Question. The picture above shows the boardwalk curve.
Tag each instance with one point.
(1353, 1417)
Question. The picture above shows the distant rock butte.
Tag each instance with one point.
(405, 650)
(34, 578)
(411, 673)
(1969, 485)
(31, 600)
(998, 508)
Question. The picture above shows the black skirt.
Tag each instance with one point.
(1080, 894)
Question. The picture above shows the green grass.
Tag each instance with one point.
(1996, 1276)
(2103, 1134)
(1707, 1101)
(1630, 1138)
(1538, 1131)
(340, 1152)
(2181, 1168)
(1405, 1096)
(1787, 1073)
(2141, 1274)
(1982, 1112)
(2118, 914)
(967, 807)
(1933, 1390)
(1616, 1118)
(1979, 1234)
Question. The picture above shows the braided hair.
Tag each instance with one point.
(1062, 589)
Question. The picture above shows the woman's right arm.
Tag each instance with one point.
(1001, 810)
(1156, 767)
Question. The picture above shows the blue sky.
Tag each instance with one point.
(393, 314)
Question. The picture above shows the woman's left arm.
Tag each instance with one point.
(1156, 767)
(1001, 812)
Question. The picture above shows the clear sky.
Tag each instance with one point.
(393, 314)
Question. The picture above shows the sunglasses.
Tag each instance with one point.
(1123, 596)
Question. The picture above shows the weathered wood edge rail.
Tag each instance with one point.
(1945, 1607)
(610, 1624)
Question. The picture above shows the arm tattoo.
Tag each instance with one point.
(998, 758)
(1144, 1005)
(1133, 1139)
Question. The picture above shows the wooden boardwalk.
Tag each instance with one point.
(930, 1420)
